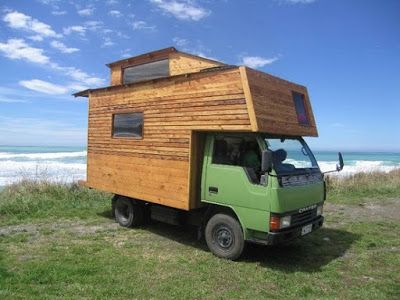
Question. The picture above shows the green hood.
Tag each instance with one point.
(293, 198)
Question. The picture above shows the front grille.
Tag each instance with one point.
(303, 217)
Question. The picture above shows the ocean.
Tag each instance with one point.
(68, 164)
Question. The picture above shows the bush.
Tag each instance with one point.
(364, 185)
(44, 199)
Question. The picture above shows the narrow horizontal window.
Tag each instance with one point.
(129, 125)
(153, 70)
(299, 104)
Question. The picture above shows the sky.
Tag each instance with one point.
(347, 53)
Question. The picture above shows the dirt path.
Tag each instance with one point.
(388, 210)
(79, 227)
(372, 210)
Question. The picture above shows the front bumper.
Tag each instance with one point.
(279, 237)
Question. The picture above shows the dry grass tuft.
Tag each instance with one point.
(364, 185)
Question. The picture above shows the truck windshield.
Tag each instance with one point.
(291, 156)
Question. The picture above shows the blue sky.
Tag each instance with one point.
(346, 52)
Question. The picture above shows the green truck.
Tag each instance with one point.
(187, 140)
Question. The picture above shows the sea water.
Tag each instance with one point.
(68, 164)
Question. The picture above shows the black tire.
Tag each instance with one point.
(128, 213)
(224, 236)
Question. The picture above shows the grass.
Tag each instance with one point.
(363, 187)
(30, 200)
(59, 241)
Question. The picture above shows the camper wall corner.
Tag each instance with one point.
(274, 108)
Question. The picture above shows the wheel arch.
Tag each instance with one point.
(214, 209)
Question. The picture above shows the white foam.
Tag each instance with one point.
(14, 171)
(51, 155)
(357, 167)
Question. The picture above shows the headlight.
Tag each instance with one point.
(320, 210)
(285, 221)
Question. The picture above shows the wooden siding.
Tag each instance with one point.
(274, 110)
(180, 63)
(156, 168)
(115, 75)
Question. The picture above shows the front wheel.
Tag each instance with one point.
(224, 236)
(128, 213)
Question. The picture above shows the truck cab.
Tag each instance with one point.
(274, 205)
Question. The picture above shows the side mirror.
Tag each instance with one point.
(339, 166)
(266, 161)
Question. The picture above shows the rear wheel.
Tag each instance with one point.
(224, 236)
(128, 213)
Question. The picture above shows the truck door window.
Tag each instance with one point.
(239, 151)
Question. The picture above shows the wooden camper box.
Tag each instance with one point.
(199, 95)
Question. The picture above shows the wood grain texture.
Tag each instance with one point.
(164, 166)
(249, 98)
(174, 109)
(274, 107)
(181, 63)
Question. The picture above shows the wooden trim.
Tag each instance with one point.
(197, 57)
(156, 80)
(148, 55)
(249, 98)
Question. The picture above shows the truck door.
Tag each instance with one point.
(231, 177)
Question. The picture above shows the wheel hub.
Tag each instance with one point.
(224, 237)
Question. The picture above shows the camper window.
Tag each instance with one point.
(128, 125)
(301, 111)
(153, 70)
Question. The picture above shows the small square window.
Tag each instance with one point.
(301, 111)
(128, 125)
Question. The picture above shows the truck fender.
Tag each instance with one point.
(213, 209)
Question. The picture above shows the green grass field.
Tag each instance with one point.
(60, 242)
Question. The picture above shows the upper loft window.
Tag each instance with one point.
(299, 104)
(152, 70)
(128, 125)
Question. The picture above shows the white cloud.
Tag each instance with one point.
(59, 12)
(137, 25)
(257, 61)
(44, 87)
(94, 25)
(36, 38)
(10, 100)
(180, 42)
(111, 2)
(78, 75)
(297, 1)
(86, 11)
(49, 88)
(76, 28)
(182, 9)
(19, 20)
(64, 49)
(107, 42)
(196, 48)
(115, 13)
(77, 87)
(18, 49)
